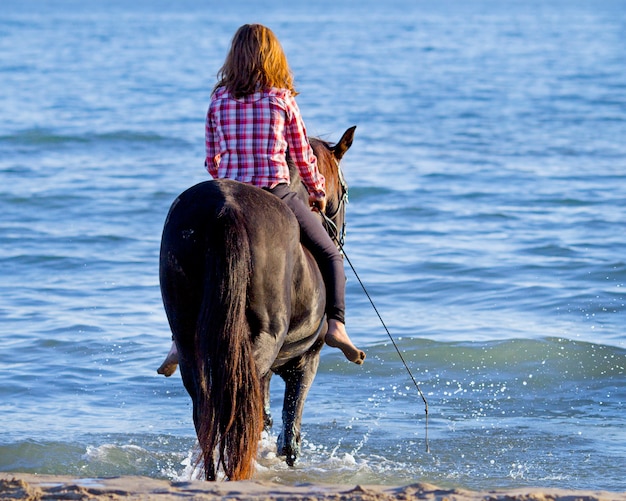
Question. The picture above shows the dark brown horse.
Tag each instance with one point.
(245, 299)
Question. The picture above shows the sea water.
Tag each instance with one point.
(487, 222)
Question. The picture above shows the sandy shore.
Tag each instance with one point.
(47, 487)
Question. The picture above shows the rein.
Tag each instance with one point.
(339, 237)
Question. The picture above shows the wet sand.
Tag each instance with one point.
(53, 487)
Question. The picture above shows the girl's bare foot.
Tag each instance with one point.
(168, 367)
(337, 337)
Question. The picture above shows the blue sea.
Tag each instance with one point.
(487, 221)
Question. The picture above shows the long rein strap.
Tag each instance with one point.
(333, 233)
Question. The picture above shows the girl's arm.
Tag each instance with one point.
(301, 152)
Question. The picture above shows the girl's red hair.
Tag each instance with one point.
(256, 61)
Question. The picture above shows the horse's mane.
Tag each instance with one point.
(326, 165)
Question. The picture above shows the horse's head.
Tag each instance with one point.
(328, 158)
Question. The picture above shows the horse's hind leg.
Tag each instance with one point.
(298, 376)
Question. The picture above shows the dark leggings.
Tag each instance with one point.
(314, 237)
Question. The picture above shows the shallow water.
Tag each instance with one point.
(486, 219)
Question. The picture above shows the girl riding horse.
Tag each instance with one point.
(252, 122)
(251, 282)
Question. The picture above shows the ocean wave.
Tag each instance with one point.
(43, 137)
(544, 361)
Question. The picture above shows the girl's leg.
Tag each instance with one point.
(315, 238)
(168, 367)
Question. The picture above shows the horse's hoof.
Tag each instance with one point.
(290, 451)
(291, 455)
(291, 459)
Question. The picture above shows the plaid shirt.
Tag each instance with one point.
(247, 140)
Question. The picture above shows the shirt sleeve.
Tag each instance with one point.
(212, 159)
(300, 150)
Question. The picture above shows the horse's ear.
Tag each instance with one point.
(344, 143)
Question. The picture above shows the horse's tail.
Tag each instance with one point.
(229, 412)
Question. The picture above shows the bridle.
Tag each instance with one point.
(336, 234)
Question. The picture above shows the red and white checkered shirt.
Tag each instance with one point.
(247, 140)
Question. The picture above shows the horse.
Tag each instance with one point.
(244, 300)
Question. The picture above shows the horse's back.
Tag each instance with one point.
(200, 214)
